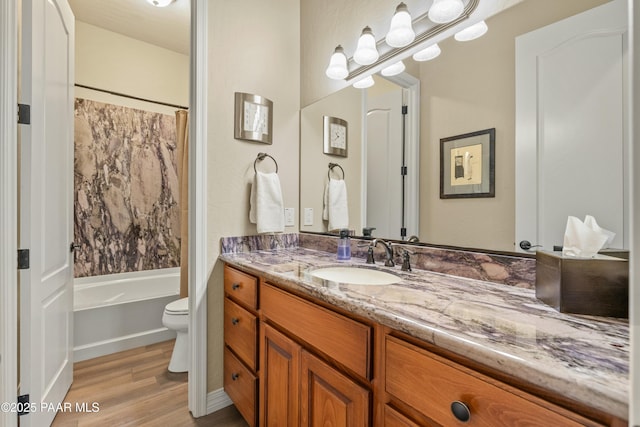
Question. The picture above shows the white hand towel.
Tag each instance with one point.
(325, 204)
(267, 207)
(337, 205)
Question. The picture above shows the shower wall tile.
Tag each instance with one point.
(126, 190)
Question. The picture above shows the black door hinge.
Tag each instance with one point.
(24, 114)
(23, 259)
(403, 232)
(405, 109)
(23, 405)
(403, 170)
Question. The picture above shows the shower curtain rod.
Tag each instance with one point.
(131, 97)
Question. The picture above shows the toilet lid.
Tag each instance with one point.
(180, 306)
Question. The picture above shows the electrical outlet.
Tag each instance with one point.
(289, 217)
(308, 216)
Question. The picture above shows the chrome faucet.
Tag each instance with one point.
(388, 251)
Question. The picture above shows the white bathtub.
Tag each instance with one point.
(121, 311)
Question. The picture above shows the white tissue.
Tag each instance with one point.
(585, 239)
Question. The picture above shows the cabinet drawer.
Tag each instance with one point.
(429, 385)
(241, 386)
(346, 340)
(241, 332)
(393, 418)
(241, 287)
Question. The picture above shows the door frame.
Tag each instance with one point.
(8, 217)
(198, 270)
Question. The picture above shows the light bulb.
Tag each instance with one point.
(364, 83)
(472, 32)
(443, 11)
(427, 54)
(393, 70)
(400, 31)
(366, 53)
(337, 68)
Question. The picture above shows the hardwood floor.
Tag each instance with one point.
(134, 388)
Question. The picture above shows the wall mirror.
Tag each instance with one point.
(471, 86)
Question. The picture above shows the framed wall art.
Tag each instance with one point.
(253, 118)
(467, 165)
(335, 136)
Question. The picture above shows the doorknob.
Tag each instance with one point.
(525, 245)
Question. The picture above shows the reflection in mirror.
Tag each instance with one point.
(380, 174)
(469, 87)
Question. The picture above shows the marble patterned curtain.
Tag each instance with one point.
(182, 132)
(127, 213)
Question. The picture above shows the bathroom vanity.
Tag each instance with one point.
(432, 349)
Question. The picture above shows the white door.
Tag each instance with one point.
(46, 207)
(570, 126)
(383, 163)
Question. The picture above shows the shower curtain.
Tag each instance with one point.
(182, 133)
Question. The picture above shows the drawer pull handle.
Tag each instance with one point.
(235, 286)
(234, 376)
(460, 411)
(235, 320)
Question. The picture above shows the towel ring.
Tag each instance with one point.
(261, 157)
(333, 165)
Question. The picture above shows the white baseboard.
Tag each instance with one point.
(217, 400)
(126, 342)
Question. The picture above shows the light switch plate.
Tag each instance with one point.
(308, 216)
(289, 217)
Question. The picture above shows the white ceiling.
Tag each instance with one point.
(166, 27)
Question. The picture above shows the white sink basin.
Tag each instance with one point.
(356, 276)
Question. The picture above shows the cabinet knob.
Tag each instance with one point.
(234, 376)
(235, 320)
(235, 286)
(460, 411)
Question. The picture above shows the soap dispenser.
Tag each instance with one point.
(344, 246)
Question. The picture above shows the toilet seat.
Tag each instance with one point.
(178, 307)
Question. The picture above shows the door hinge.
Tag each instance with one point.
(24, 114)
(403, 170)
(403, 232)
(405, 109)
(23, 405)
(23, 259)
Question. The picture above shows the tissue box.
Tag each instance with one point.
(595, 286)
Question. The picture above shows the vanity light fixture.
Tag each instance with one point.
(443, 11)
(337, 68)
(393, 70)
(427, 54)
(400, 31)
(364, 83)
(366, 53)
(472, 32)
(160, 3)
(405, 37)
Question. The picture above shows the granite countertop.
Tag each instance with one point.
(506, 328)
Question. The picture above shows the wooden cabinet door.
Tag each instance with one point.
(280, 379)
(328, 398)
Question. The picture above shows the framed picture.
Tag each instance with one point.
(253, 118)
(335, 136)
(467, 165)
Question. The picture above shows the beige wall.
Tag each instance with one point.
(346, 105)
(111, 61)
(254, 48)
(470, 87)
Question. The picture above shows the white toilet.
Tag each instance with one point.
(176, 317)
